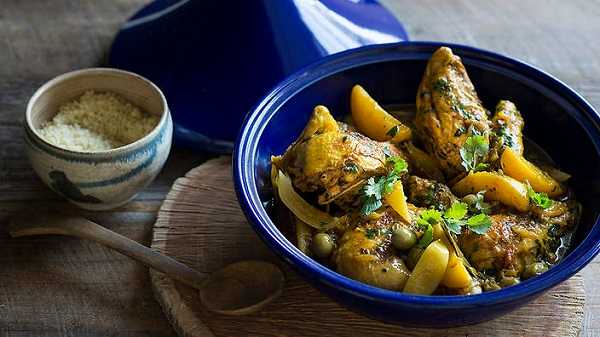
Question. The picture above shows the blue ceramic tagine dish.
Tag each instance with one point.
(215, 59)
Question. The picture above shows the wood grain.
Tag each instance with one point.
(56, 286)
(201, 223)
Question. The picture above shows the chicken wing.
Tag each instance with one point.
(448, 110)
(332, 159)
(366, 254)
(507, 130)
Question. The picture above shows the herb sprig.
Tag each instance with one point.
(473, 152)
(539, 199)
(426, 220)
(455, 217)
(376, 189)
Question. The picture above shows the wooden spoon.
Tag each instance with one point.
(238, 289)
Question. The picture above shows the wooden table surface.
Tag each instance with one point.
(57, 286)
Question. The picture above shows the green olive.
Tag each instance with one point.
(413, 256)
(534, 269)
(322, 245)
(403, 238)
(470, 199)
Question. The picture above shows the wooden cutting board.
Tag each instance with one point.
(201, 224)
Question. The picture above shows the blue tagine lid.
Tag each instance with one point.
(215, 59)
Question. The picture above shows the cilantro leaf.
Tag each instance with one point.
(371, 233)
(388, 184)
(453, 216)
(454, 225)
(393, 131)
(473, 152)
(427, 237)
(400, 164)
(539, 199)
(429, 217)
(457, 211)
(372, 189)
(370, 205)
(479, 223)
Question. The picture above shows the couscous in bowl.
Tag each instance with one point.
(108, 177)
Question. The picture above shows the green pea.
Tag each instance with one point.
(403, 238)
(534, 269)
(470, 199)
(322, 245)
(413, 257)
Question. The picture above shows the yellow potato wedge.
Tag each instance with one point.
(457, 275)
(397, 200)
(372, 120)
(498, 187)
(429, 271)
(518, 167)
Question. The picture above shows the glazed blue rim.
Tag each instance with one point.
(255, 122)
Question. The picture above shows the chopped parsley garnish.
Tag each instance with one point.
(473, 153)
(505, 138)
(372, 233)
(376, 189)
(479, 223)
(441, 85)
(539, 199)
(393, 131)
(351, 167)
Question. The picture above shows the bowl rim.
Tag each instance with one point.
(34, 132)
(256, 120)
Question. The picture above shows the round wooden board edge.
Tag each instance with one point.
(181, 317)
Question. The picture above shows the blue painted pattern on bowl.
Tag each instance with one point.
(104, 179)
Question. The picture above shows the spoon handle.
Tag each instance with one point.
(47, 224)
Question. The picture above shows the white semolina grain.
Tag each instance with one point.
(97, 121)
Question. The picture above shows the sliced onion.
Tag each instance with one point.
(304, 211)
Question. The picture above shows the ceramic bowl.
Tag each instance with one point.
(557, 118)
(105, 179)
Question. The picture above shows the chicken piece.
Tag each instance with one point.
(498, 247)
(333, 160)
(516, 242)
(366, 254)
(507, 130)
(448, 110)
(429, 193)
